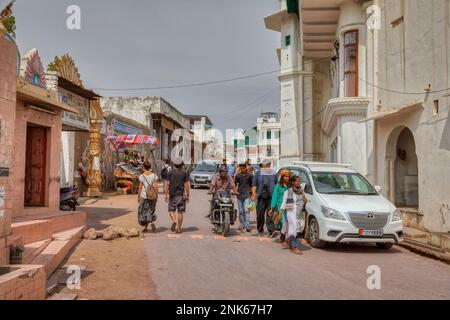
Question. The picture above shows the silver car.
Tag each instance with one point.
(203, 173)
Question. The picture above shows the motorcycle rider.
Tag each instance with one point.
(221, 182)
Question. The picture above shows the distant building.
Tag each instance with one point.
(154, 113)
(268, 128)
(201, 120)
(200, 124)
(261, 141)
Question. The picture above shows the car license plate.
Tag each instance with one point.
(201, 180)
(370, 233)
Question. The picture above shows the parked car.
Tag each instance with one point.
(203, 173)
(344, 207)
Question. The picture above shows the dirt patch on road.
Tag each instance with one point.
(116, 269)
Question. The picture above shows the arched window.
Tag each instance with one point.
(351, 63)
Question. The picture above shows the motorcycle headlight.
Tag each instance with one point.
(226, 200)
(396, 215)
(332, 214)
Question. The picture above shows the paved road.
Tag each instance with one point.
(198, 266)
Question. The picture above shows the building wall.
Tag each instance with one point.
(25, 115)
(412, 55)
(346, 141)
(67, 158)
(140, 109)
(8, 74)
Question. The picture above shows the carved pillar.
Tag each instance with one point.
(94, 178)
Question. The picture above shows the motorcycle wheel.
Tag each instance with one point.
(226, 225)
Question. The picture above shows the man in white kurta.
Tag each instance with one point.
(293, 203)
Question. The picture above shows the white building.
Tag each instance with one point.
(268, 128)
(355, 78)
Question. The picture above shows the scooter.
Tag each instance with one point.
(68, 199)
(223, 214)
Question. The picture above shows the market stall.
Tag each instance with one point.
(128, 169)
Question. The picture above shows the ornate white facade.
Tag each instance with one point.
(366, 83)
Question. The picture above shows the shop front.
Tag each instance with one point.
(64, 80)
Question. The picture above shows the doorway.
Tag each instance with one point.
(35, 166)
(402, 168)
(406, 171)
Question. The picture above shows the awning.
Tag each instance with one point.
(72, 87)
(40, 97)
(394, 112)
(132, 139)
(275, 21)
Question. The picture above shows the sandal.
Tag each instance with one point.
(174, 225)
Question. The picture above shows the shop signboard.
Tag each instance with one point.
(120, 128)
(72, 121)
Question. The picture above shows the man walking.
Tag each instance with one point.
(177, 194)
(244, 181)
(264, 183)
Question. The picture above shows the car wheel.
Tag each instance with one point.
(385, 246)
(313, 234)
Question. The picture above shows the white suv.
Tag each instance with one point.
(344, 207)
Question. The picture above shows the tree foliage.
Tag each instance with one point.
(52, 66)
(9, 21)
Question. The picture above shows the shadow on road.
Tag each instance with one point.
(189, 230)
(96, 217)
(359, 248)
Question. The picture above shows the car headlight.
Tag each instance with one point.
(397, 215)
(332, 214)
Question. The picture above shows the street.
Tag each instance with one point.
(200, 265)
(336, 108)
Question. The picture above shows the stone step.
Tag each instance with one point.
(32, 250)
(32, 230)
(423, 244)
(441, 240)
(60, 220)
(52, 256)
(413, 233)
(423, 248)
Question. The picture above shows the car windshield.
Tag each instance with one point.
(342, 183)
(206, 167)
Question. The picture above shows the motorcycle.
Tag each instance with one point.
(223, 214)
(68, 199)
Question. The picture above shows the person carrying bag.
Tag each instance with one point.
(147, 198)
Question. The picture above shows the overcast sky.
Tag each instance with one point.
(148, 43)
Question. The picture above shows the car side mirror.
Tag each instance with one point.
(308, 189)
(378, 189)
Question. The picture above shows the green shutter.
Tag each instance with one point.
(292, 6)
(287, 41)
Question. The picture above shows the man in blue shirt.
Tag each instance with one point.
(232, 170)
(264, 183)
